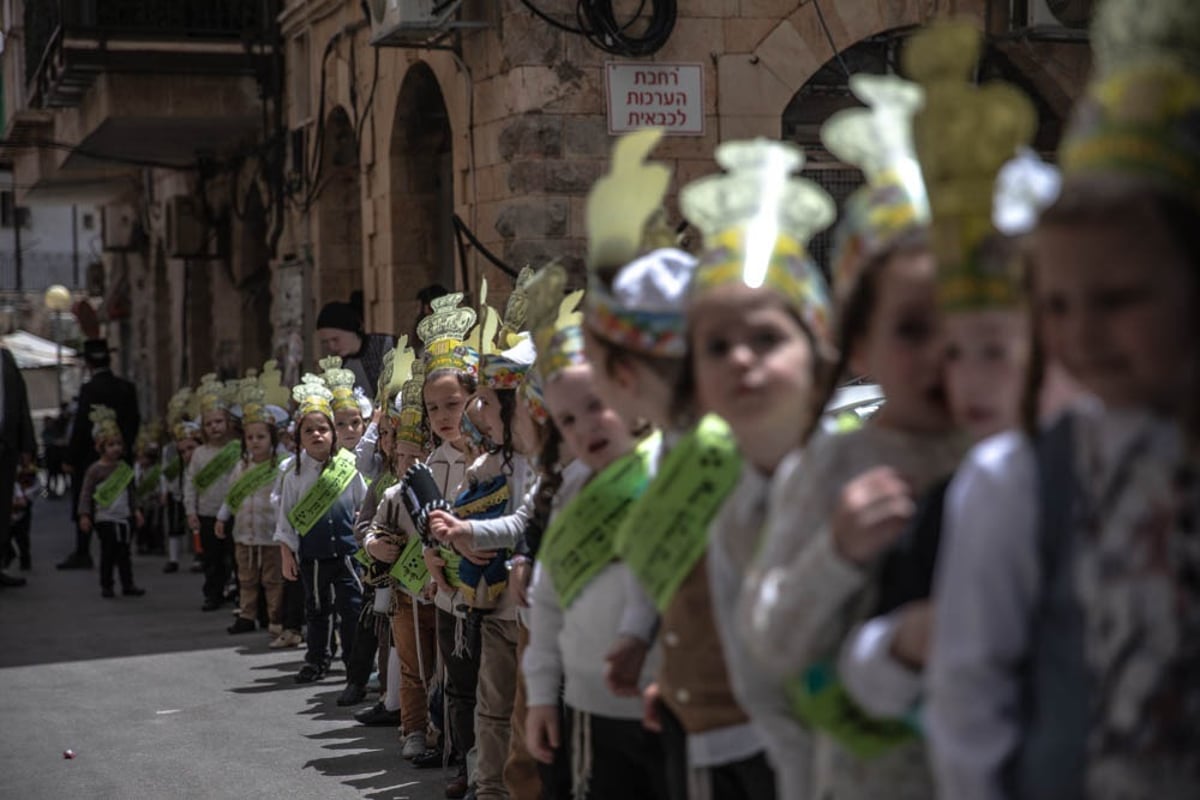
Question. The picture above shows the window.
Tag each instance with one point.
(89, 222)
(10, 210)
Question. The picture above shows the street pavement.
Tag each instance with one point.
(156, 700)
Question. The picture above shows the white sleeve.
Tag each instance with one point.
(542, 664)
(365, 450)
(639, 618)
(985, 590)
(879, 684)
(284, 532)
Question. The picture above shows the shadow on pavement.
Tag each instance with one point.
(372, 765)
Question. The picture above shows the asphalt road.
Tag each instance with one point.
(158, 701)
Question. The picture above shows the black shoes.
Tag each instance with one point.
(75, 562)
(432, 759)
(241, 625)
(378, 715)
(133, 591)
(310, 673)
(172, 566)
(352, 695)
(11, 581)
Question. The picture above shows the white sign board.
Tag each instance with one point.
(642, 95)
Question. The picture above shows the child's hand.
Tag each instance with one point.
(435, 563)
(914, 630)
(139, 519)
(219, 529)
(518, 582)
(382, 549)
(651, 721)
(479, 558)
(193, 523)
(291, 571)
(871, 514)
(623, 665)
(85, 523)
(541, 732)
(447, 528)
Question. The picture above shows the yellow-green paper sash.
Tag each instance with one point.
(149, 481)
(666, 533)
(321, 495)
(580, 541)
(250, 482)
(111, 487)
(222, 462)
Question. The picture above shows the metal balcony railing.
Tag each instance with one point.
(54, 26)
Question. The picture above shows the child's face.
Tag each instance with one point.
(753, 367)
(387, 435)
(216, 426)
(350, 426)
(258, 441)
(1115, 305)
(445, 402)
(185, 448)
(593, 431)
(112, 449)
(404, 455)
(316, 436)
(634, 391)
(903, 348)
(986, 357)
(487, 414)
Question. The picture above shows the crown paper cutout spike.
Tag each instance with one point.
(181, 406)
(211, 394)
(555, 320)
(104, 422)
(483, 336)
(622, 202)
(385, 377)
(1126, 33)
(444, 333)
(397, 368)
(340, 382)
(312, 396)
(516, 309)
(271, 379)
(409, 408)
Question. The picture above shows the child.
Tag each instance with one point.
(249, 504)
(1089, 687)
(207, 482)
(577, 596)
(147, 471)
(26, 489)
(315, 527)
(107, 503)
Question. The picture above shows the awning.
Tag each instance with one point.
(32, 352)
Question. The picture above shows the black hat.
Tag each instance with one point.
(341, 316)
(95, 352)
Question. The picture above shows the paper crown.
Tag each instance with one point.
(408, 410)
(1140, 115)
(444, 333)
(312, 396)
(516, 310)
(482, 338)
(879, 141)
(507, 369)
(104, 423)
(214, 395)
(186, 429)
(633, 302)
(557, 336)
(397, 368)
(757, 220)
(181, 406)
(252, 398)
(964, 135)
(340, 382)
(149, 435)
(274, 392)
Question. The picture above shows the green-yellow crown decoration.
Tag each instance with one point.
(964, 135)
(555, 321)
(623, 202)
(340, 382)
(444, 333)
(482, 338)
(516, 309)
(104, 422)
(312, 396)
(271, 380)
(410, 414)
(212, 394)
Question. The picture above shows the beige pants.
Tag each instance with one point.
(417, 665)
(494, 705)
(260, 565)
(521, 775)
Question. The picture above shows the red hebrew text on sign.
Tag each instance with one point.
(669, 96)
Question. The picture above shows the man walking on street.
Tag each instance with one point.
(104, 389)
(17, 447)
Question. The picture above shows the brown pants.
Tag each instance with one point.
(521, 775)
(260, 565)
(494, 705)
(417, 666)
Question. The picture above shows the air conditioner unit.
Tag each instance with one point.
(186, 233)
(121, 232)
(403, 23)
(1073, 15)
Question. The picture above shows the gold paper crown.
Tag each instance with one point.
(340, 382)
(515, 309)
(444, 333)
(385, 378)
(213, 394)
(557, 335)
(482, 338)
(150, 434)
(624, 201)
(964, 135)
(104, 423)
(397, 366)
(879, 141)
(409, 411)
(312, 396)
(757, 220)
(253, 399)
(181, 406)
(271, 380)
(1140, 116)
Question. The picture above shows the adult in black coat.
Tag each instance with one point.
(103, 389)
(17, 446)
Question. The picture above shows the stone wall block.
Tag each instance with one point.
(773, 9)
(527, 40)
(531, 135)
(571, 253)
(789, 56)
(526, 177)
(750, 88)
(586, 135)
(533, 217)
(572, 176)
(743, 35)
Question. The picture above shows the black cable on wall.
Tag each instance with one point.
(597, 21)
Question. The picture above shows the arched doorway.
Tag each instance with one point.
(422, 187)
(339, 250)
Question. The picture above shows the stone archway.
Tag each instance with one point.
(339, 229)
(422, 194)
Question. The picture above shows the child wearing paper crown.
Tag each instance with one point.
(249, 504)
(107, 502)
(207, 482)
(315, 527)
(577, 595)
(1100, 679)
(176, 456)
